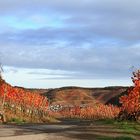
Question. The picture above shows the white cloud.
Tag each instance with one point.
(33, 78)
(98, 62)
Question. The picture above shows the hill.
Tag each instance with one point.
(86, 96)
(82, 96)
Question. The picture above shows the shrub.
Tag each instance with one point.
(130, 109)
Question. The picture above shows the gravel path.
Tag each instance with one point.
(34, 132)
(62, 131)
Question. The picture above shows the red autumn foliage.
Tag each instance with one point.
(96, 112)
(20, 96)
(19, 100)
(130, 109)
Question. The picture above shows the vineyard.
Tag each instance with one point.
(98, 112)
(32, 107)
(17, 102)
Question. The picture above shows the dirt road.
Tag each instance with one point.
(73, 130)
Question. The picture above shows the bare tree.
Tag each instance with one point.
(1, 70)
(2, 113)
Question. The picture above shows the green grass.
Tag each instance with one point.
(126, 126)
(129, 127)
(106, 121)
(116, 138)
(17, 121)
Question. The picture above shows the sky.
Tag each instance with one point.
(87, 43)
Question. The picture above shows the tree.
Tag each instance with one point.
(130, 109)
(2, 114)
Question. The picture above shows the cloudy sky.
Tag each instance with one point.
(90, 43)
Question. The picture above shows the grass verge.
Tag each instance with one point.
(17, 121)
(116, 138)
(126, 126)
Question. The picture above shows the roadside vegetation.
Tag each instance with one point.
(129, 127)
(116, 138)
